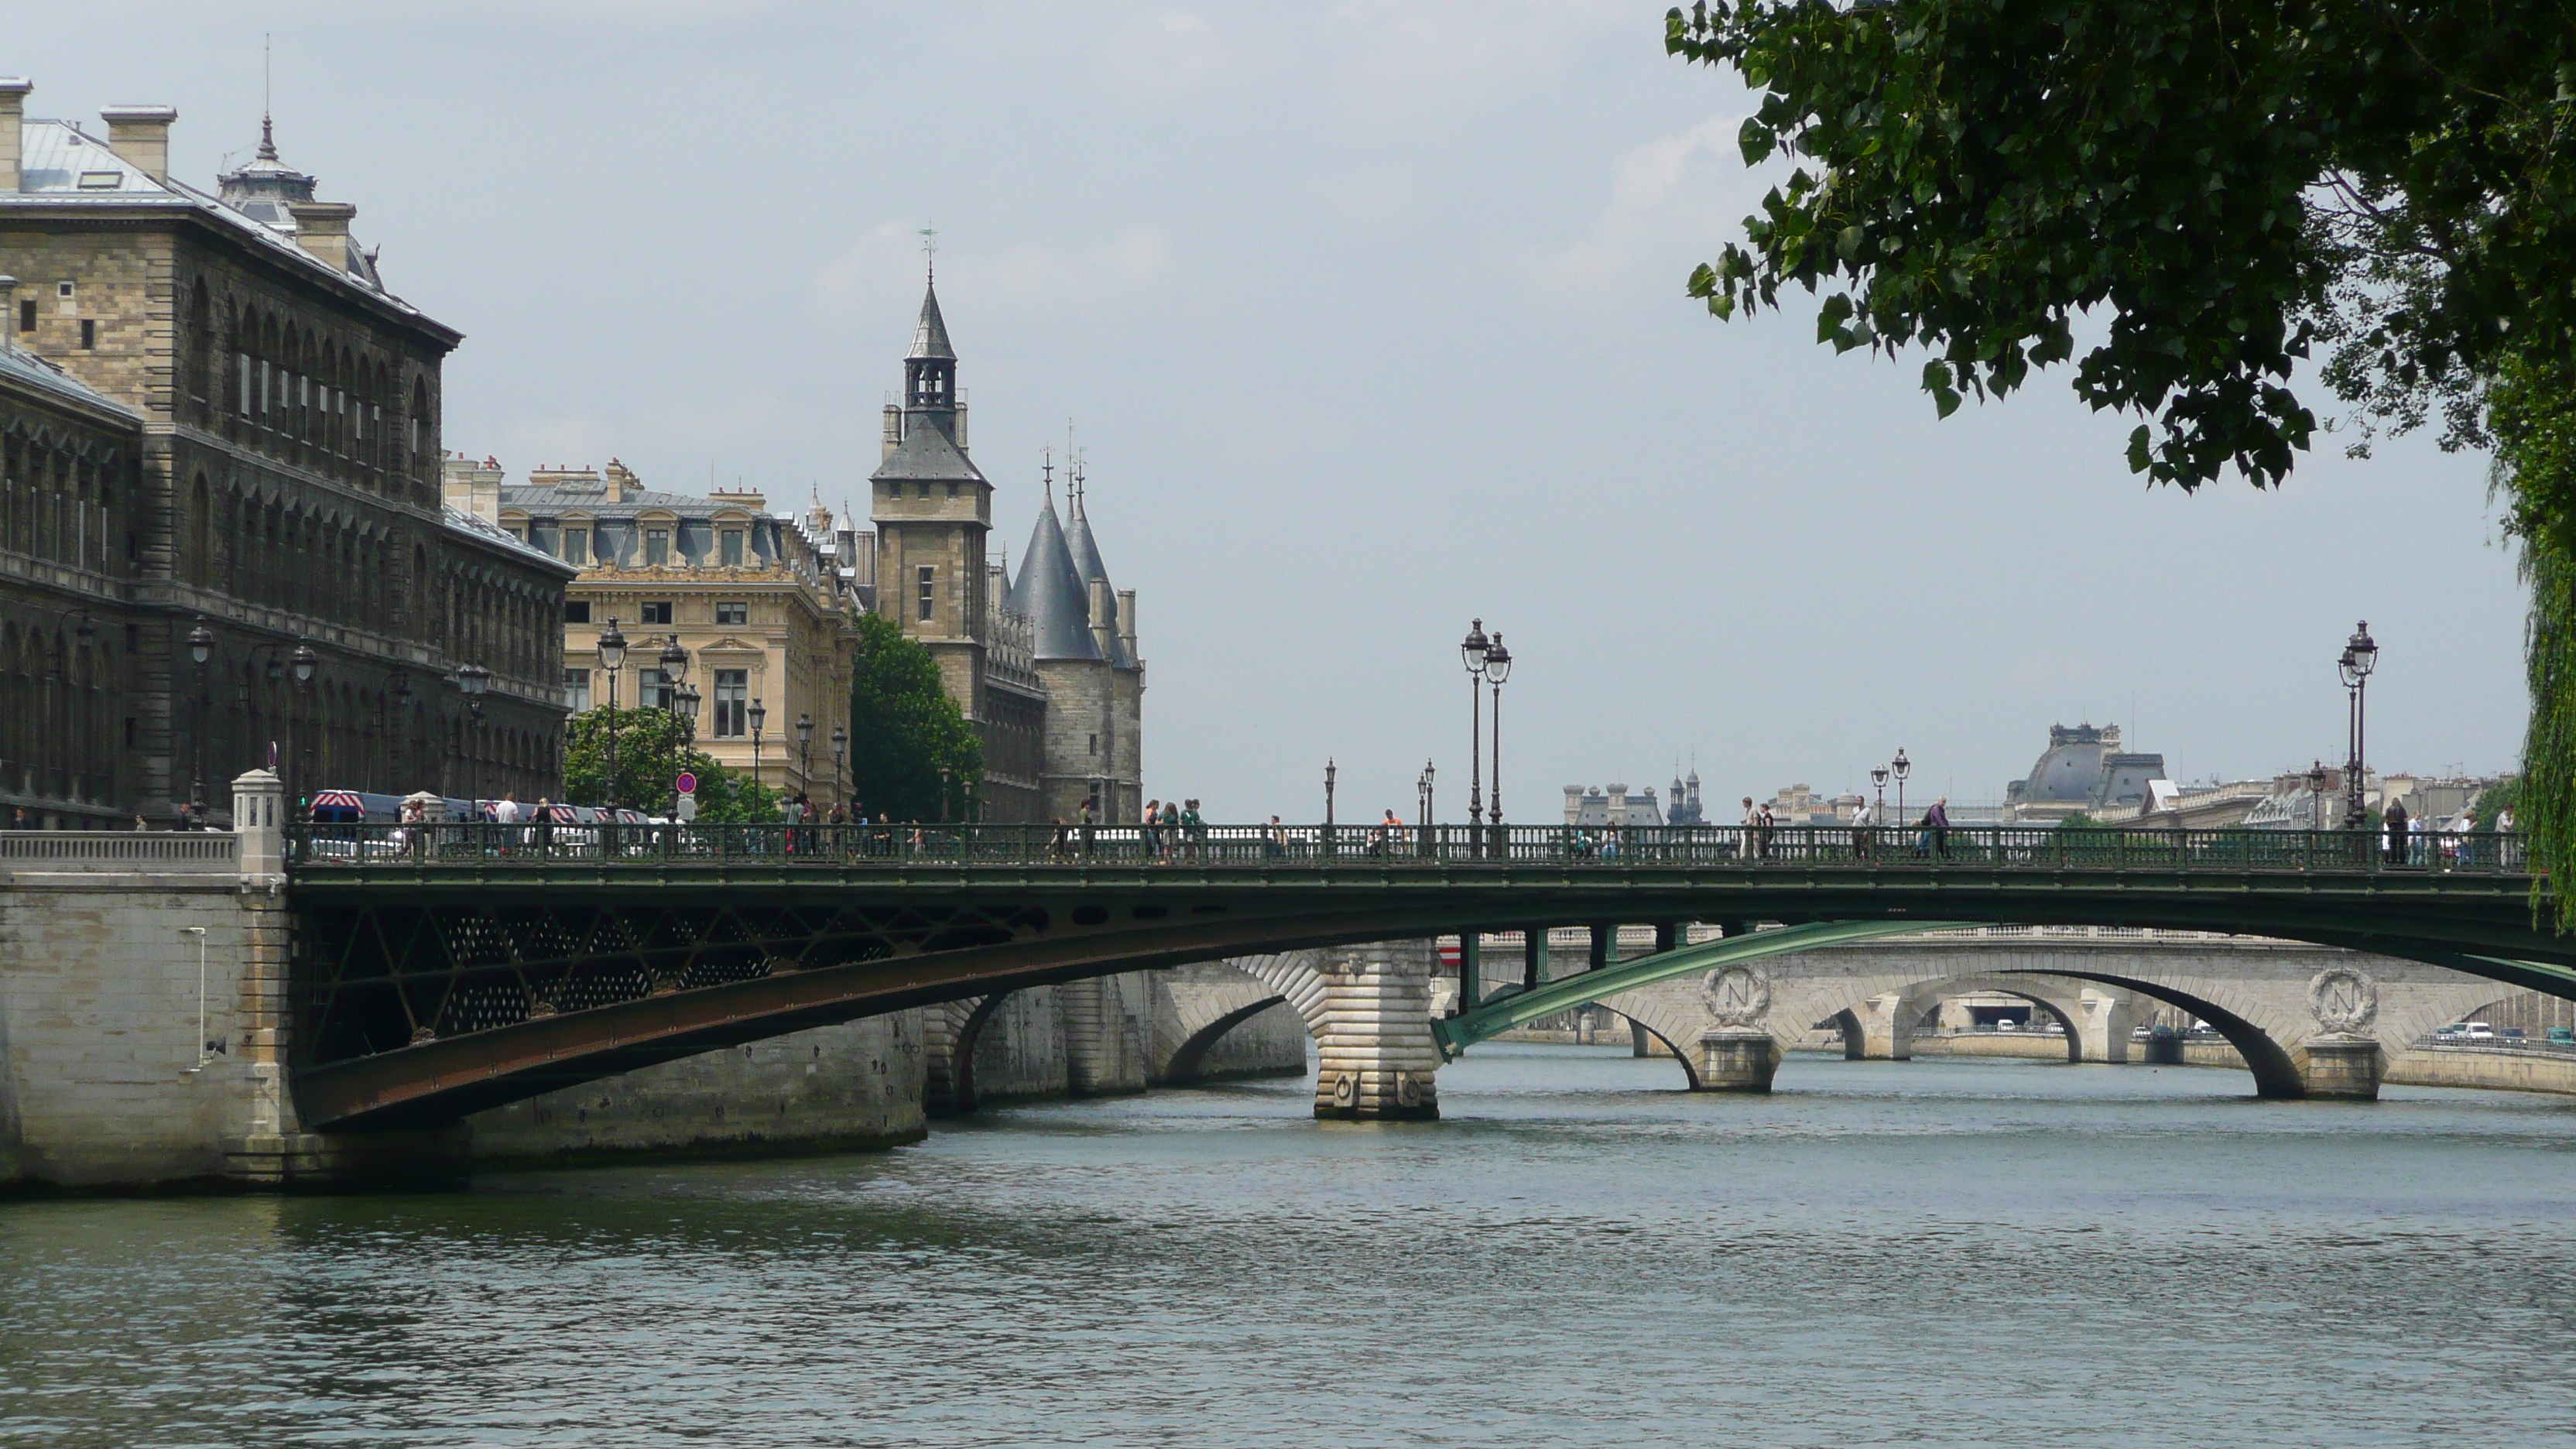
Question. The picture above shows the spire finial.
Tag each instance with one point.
(930, 255)
(1048, 468)
(267, 75)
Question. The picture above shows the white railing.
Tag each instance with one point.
(212, 850)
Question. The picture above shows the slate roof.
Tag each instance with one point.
(930, 334)
(1051, 593)
(927, 454)
(59, 164)
(33, 371)
(492, 533)
(549, 499)
(1087, 565)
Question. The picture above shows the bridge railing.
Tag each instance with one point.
(328, 848)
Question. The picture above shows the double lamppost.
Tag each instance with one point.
(2360, 656)
(201, 647)
(473, 679)
(1487, 661)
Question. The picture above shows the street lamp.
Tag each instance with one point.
(1422, 796)
(1900, 767)
(805, 751)
(303, 663)
(675, 667)
(1328, 804)
(1498, 667)
(944, 773)
(2317, 795)
(1472, 651)
(1878, 783)
(612, 657)
(473, 679)
(840, 752)
(759, 715)
(2360, 656)
(201, 647)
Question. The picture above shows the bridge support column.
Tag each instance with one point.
(1533, 957)
(1886, 1035)
(1737, 1059)
(1376, 1058)
(2343, 1067)
(2107, 1020)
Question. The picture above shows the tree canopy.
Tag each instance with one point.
(2232, 191)
(653, 747)
(904, 729)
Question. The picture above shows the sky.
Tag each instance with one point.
(1370, 320)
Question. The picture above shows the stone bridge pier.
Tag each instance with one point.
(1376, 1056)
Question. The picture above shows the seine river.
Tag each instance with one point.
(1926, 1252)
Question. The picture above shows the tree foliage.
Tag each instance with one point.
(2230, 191)
(652, 747)
(904, 729)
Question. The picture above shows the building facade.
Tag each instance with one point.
(759, 603)
(271, 494)
(1044, 664)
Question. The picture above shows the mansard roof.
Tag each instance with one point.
(60, 165)
(1050, 591)
(926, 454)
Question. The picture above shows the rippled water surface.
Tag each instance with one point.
(1925, 1252)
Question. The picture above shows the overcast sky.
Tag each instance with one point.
(1370, 318)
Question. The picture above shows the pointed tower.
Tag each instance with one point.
(1082, 745)
(933, 510)
(1112, 618)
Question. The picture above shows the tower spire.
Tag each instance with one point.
(1047, 467)
(267, 79)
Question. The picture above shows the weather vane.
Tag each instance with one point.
(930, 251)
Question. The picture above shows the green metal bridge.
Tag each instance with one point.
(442, 969)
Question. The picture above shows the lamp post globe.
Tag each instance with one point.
(840, 752)
(675, 666)
(1900, 767)
(304, 662)
(201, 643)
(612, 647)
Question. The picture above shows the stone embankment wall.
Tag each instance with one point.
(833, 1088)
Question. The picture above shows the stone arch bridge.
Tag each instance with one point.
(439, 970)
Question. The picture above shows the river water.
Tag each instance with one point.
(1928, 1252)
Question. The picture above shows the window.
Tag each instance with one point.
(64, 292)
(89, 334)
(576, 611)
(1095, 744)
(927, 589)
(577, 684)
(733, 613)
(27, 315)
(653, 689)
(921, 490)
(657, 612)
(576, 546)
(733, 686)
(729, 548)
(657, 548)
(99, 180)
(952, 490)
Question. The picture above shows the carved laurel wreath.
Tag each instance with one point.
(1737, 996)
(2343, 999)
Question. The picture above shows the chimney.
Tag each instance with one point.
(322, 228)
(13, 107)
(140, 136)
(1127, 621)
(8, 314)
(1104, 622)
(893, 431)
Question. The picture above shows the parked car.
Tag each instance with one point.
(2480, 1031)
(2562, 1036)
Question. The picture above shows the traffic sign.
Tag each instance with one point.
(687, 784)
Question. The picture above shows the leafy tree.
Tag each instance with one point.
(904, 729)
(2232, 191)
(653, 747)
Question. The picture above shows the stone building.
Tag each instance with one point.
(759, 603)
(2082, 770)
(219, 417)
(1045, 665)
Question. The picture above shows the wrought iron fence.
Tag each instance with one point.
(318, 848)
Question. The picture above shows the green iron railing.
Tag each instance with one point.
(321, 849)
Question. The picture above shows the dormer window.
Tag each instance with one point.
(657, 546)
(99, 180)
(729, 548)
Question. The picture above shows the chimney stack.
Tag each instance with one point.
(13, 107)
(1127, 621)
(1104, 620)
(322, 228)
(140, 137)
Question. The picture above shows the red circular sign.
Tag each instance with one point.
(688, 783)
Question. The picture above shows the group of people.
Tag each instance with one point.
(1169, 829)
(1931, 833)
